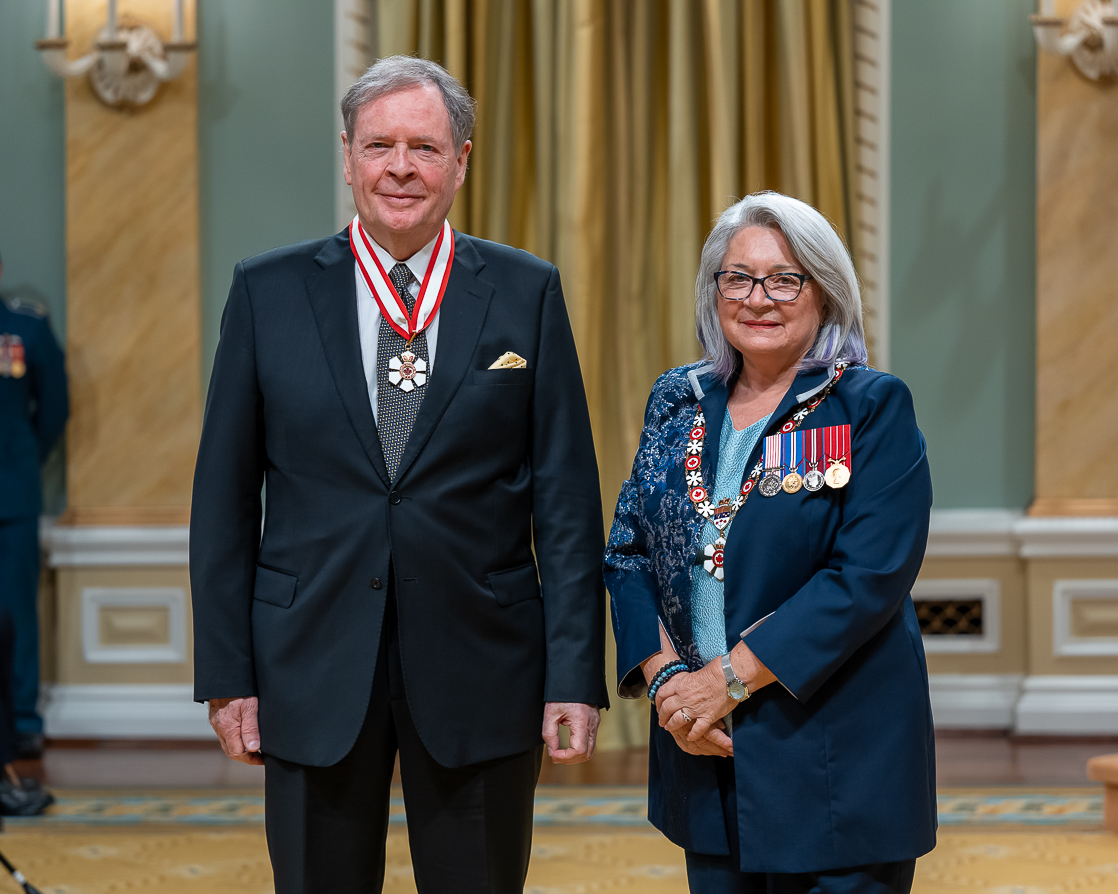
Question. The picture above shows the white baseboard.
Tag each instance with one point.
(1068, 705)
(974, 701)
(85, 545)
(123, 712)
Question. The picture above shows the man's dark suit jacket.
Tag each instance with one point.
(498, 460)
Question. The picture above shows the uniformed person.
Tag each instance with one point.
(33, 411)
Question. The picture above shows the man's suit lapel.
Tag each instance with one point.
(461, 315)
(333, 297)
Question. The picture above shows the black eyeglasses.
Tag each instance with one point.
(733, 285)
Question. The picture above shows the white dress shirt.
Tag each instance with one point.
(368, 313)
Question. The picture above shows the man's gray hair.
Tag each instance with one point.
(818, 248)
(394, 73)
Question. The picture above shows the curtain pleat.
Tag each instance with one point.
(610, 135)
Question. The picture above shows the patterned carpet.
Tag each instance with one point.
(1001, 841)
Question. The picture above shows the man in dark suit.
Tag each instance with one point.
(427, 581)
(33, 411)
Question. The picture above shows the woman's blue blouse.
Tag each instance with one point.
(708, 594)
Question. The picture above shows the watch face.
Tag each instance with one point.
(737, 691)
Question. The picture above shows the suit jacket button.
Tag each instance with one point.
(394, 498)
(375, 583)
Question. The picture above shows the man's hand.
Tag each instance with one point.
(582, 720)
(234, 721)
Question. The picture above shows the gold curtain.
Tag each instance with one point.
(610, 135)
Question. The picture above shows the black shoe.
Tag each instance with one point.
(28, 799)
(29, 746)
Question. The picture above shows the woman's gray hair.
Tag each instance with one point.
(394, 73)
(818, 248)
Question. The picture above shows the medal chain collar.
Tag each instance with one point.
(722, 514)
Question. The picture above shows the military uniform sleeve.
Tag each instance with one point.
(48, 386)
(876, 555)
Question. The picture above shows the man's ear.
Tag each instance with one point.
(463, 155)
(346, 160)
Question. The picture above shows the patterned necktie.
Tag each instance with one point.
(397, 409)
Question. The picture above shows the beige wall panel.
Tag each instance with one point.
(1042, 576)
(72, 667)
(48, 624)
(1011, 657)
(133, 333)
(1094, 617)
(1077, 268)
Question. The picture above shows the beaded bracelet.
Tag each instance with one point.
(662, 676)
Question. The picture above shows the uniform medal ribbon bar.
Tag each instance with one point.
(794, 457)
(774, 466)
(836, 445)
(813, 457)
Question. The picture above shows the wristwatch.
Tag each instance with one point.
(735, 688)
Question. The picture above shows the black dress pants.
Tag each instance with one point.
(469, 828)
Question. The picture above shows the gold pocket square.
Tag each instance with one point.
(509, 360)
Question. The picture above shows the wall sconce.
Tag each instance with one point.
(1089, 36)
(128, 61)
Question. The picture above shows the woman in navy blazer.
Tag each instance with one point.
(792, 747)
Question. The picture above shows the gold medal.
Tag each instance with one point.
(838, 475)
(18, 369)
(792, 482)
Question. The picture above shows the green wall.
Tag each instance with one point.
(267, 141)
(962, 207)
(32, 164)
(32, 187)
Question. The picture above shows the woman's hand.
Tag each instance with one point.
(695, 701)
(715, 743)
(699, 700)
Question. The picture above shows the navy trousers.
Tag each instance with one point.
(721, 874)
(19, 593)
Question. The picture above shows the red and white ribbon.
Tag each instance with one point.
(837, 444)
(391, 305)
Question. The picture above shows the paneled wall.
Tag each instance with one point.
(963, 202)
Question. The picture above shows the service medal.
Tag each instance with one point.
(838, 476)
(770, 485)
(836, 440)
(792, 482)
(813, 441)
(774, 466)
(794, 455)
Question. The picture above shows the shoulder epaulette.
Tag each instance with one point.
(18, 304)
